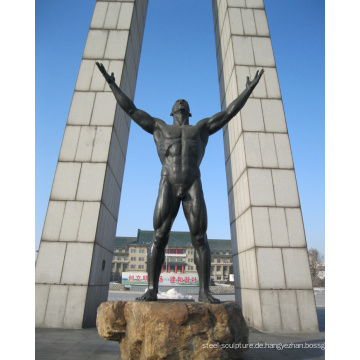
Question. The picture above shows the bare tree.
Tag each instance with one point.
(316, 265)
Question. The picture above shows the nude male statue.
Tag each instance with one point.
(180, 147)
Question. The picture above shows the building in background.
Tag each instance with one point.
(120, 262)
(130, 255)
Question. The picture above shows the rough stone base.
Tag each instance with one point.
(174, 330)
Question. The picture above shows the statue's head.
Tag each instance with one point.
(181, 112)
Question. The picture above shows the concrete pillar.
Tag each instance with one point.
(271, 268)
(75, 255)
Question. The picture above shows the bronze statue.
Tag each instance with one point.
(180, 147)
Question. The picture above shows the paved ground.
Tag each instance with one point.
(60, 344)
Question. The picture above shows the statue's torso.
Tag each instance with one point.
(180, 149)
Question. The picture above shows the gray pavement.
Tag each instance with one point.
(61, 344)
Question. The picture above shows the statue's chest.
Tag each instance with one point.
(180, 132)
(181, 141)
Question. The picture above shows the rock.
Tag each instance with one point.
(174, 330)
(110, 320)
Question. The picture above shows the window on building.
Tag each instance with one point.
(132, 266)
(218, 261)
(218, 268)
(133, 251)
(218, 277)
(225, 268)
(119, 257)
(141, 259)
(125, 258)
(141, 266)
(133, 259)
(212, 268)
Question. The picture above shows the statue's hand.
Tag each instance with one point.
(251, 84)
(108, 78)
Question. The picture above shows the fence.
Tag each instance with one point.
(213, 289)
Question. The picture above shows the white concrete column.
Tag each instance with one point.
(272, 276)
(75, 255)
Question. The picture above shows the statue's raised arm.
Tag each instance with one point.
(109, 79)
(142, 118)
(217, 121)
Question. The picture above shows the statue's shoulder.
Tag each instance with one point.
(161, 128)
(160, 124)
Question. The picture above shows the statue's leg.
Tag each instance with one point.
(196, 216)
(166, 209)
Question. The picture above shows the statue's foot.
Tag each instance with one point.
(205, 296)
(150, 295)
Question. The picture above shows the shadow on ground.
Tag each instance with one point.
(288, 346)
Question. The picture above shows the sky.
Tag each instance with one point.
(178, 61)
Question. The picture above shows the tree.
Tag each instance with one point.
(316, 265)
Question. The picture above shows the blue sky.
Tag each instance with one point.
(178, 61)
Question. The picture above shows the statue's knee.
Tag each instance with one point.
(158, 243)
(160, 240)
(200, 239)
